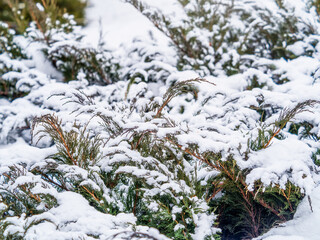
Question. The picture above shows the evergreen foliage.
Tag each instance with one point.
(19, 13)
(61, 44)
(207, 41)
(9, 50)
(128, 144)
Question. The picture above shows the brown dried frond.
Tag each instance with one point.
(180, 88)
(52, 127)
(287, 114)
(75, 147)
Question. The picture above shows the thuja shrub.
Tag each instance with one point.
(132, 171)
(136, 161)
(246, 212)
(59, 38)
(215, 36)
(63, 46)
(146, 62)
(96, 65)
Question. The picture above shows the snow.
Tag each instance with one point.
(221, 119)
(272, 164)
(119, 22)
(304, 226)
(71, 218)
(26, 154)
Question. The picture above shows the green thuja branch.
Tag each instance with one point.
(287, 115)
(180, 88)
(75, 147)
(266, 135)
(22, 199)
(52, 126)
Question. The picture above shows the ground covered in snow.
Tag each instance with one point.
(157, 136)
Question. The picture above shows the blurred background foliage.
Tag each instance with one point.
(11, 9)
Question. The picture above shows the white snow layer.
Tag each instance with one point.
(230, 107)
